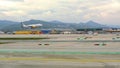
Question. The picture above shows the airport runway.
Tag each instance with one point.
(61, 51)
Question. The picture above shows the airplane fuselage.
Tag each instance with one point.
(31, 25)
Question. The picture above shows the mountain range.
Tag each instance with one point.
(8, 26)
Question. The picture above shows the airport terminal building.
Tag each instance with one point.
(89, 30)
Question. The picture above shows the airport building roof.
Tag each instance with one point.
(89, 29)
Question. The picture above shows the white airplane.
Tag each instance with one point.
(32, 26)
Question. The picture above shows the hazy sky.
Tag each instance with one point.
(102, 11)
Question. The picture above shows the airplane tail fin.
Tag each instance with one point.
(23, 25)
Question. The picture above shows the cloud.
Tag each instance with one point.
(65, 10)
(13, 0)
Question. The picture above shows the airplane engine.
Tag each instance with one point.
(33, 26)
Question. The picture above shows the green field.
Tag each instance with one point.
(5, 42)
(27, 38)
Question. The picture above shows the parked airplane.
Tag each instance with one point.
(32, 26)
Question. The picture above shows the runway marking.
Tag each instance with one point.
(55, 59)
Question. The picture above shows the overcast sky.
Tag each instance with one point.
(102, 11)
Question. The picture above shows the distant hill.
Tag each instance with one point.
(114, 26)
(4, 23)
(92, 24)
(13, 26)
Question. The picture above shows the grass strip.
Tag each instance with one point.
(29, 38)
(52, 52)
(5, 42)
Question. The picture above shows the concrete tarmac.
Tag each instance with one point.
(27, 54)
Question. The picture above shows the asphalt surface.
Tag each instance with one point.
(61, 51)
